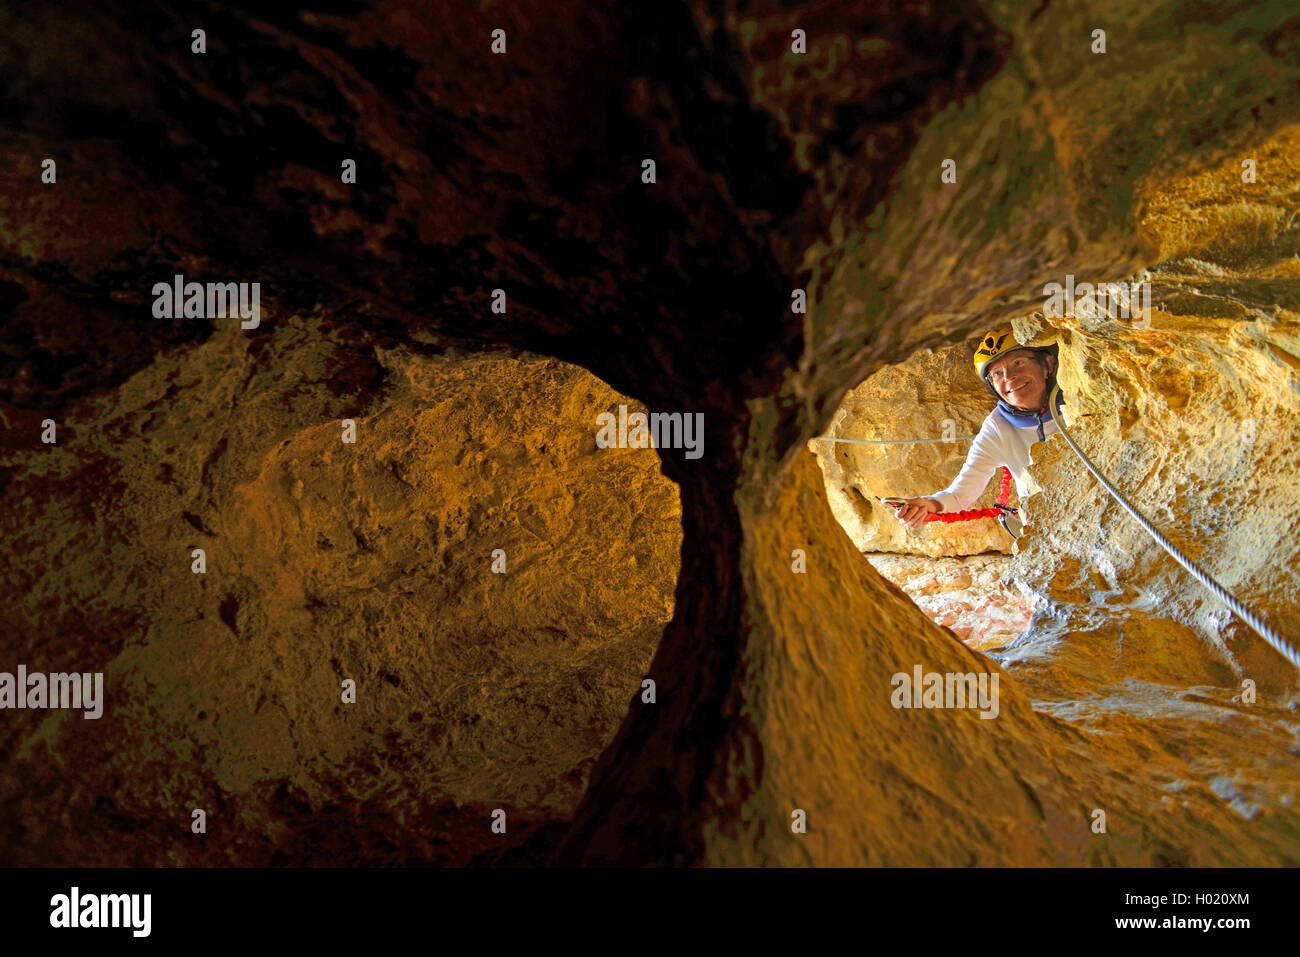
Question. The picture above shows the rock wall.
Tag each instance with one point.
(1195, 418)
(776, 171)
(970, 596)
(325, 561)
(1192, 414)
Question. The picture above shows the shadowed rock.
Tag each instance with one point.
(523, 173)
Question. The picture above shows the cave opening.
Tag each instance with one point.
(376, 560)
(445, 616)
(904, 431)
(1190, 411)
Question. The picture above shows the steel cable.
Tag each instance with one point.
(1241, 611)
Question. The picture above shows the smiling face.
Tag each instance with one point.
(1020, 379)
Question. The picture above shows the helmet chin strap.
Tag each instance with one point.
(1050, 388)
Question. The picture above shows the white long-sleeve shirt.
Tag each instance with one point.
(997, 443)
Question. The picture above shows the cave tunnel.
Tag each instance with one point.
(643, 656)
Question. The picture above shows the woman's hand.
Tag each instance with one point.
(913, 512)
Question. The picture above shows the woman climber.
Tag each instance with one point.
(1021, 378)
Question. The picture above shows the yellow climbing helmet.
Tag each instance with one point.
(997, 343)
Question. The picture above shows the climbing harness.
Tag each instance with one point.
(1240, 610)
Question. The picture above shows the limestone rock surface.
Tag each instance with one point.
(777, 172)
(326, 561)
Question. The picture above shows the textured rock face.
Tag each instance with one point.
(1196, 419)
(968, 596)
(524, 174)
(327, 561)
